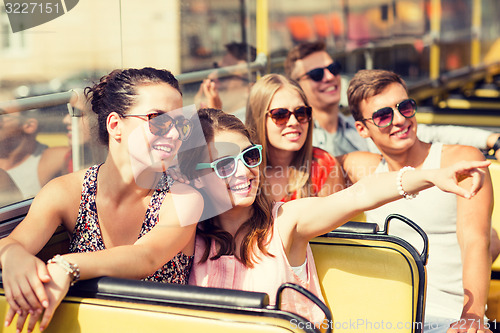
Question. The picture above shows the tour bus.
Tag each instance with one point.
(371, 280)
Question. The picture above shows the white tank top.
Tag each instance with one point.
(436, 213)
(25, 175)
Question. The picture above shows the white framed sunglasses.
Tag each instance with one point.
(225, 167)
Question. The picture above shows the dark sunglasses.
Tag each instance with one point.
(384, 117)
(280, 116)
(226, 166)
(317, 74)
(161, 123)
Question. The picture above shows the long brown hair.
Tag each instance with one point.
(259, 100)
(258, 227)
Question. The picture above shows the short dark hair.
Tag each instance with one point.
(300, 51)
(242, 51)
(367, 83)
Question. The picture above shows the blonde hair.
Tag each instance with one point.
(259, 100)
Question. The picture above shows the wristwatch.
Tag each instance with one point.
(495, 147)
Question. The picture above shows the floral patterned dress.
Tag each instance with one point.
(87, 236)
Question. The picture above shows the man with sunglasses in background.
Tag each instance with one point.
(459, 263)
(319, 76)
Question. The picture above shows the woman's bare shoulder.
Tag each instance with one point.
(69, 181)
(61, 193)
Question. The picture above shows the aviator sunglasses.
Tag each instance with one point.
(317, 74)
(384, 116)
(226, 166)
(280, 116)
(161, 123)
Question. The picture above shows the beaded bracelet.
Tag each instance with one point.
(399, 183)
(71, 269)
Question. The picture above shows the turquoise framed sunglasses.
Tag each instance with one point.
(226, 166)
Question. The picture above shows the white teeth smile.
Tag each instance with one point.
(329, 89)
(403, 132)
(241, 187)
(163, 148)
(292, 135)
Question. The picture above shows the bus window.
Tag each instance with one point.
(218, 34)
(69, 52)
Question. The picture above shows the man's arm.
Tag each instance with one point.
(473, 233)
(457, 135)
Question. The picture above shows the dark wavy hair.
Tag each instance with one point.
(258, 227)
(117, 91)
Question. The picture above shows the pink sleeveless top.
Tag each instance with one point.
(266, 275)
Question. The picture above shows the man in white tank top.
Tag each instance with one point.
(29, 163)
(459, 264)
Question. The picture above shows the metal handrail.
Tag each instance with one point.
(36, 102)
(30, 103)
(259, 64)
(70, 97)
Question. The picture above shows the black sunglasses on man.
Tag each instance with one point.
(317, 74)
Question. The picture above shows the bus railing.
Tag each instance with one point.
(421, 90)
(258, 65)
(453, 80)
(71, 97)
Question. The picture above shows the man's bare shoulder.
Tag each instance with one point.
(59, 153)
(452, 154)
(54, 162)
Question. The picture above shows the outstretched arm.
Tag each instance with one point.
(311, 217)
